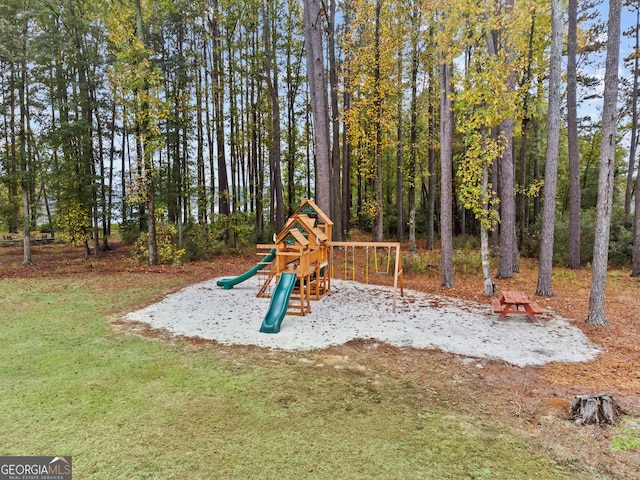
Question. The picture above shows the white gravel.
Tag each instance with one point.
(358, 311)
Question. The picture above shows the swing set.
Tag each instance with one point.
(378, 258)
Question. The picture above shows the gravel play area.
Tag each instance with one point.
(359, 311)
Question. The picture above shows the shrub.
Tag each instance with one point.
(202, 242)
(129, 231)
(168, 252)
(421, 262)
(45, 228)
(620, 239)
(237, 228)
(466, 242)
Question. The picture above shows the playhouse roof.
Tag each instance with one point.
(309, 207)
(302, 224)
(293, 235)
(305, 222)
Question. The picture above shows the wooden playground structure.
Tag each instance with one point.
(301, 248)
(304, 248)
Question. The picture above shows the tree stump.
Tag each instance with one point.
(595, 410)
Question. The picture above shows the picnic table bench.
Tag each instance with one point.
(515, 303)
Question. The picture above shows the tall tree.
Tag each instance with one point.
(633, 146)
(274, 154)
(415, 18)
(336, 198)
(573, 260)
(596, 314)
(399, 158)
(217, 70)
(635, 267)
(551, 166)
(346, 105)
(378, 220)
(478, 107)
(508, 263)
(446, 176)
(314, 21)
(144, 128)
(25, 170)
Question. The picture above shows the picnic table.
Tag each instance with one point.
(515, 303)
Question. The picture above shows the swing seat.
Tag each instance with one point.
(375, 261)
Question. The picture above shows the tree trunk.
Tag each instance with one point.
(313, 28)
(336, 210)
(551, 168)
(52, 229)
(490, 288)
(218, 112)
(497, 188)
(413, 130)
(572, 132)
(399, 158)
(201, 186)
(508, 263)
(346, 141)
(431, 180)
(272, 83)
(378, 222)
(596, 314)
(24, 162)
(524, 139)
(446, 172)
(595, 410)
(26, 228)
(147, 180)
(634, 120)
(635, 264)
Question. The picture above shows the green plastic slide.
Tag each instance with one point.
(228, 283)
(279, 303)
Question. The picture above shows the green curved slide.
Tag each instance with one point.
(228, 283)
(279, 303)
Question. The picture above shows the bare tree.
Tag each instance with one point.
(634, 112)
(596, 314)
(275, 150)
(413, 129)
(346, 142)
(378, 221)
(446, 172)
(551, 167)
(572, 132)
(336, 198)
(313, 27)
(508, 263)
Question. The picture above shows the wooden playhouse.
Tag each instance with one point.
(302, 248)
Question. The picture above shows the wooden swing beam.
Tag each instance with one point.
(397, 274)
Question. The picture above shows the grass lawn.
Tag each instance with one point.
(126, 407)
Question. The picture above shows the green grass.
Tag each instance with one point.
(626, 436)
(131, 408)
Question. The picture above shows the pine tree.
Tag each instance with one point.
(596, 314)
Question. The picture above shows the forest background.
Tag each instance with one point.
(195, 126)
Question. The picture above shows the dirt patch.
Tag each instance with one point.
(533, 401)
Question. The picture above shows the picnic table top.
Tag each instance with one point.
(514, 298)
